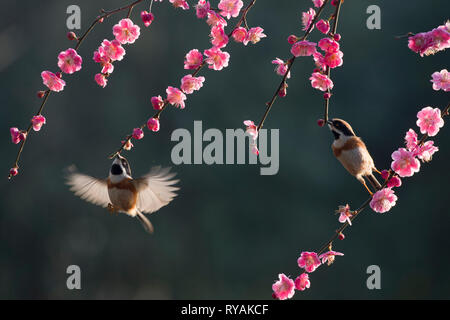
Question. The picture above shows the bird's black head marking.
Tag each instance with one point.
(126, 165)
(116, 169)
(339, 126)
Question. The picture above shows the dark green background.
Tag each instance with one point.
(230, 231)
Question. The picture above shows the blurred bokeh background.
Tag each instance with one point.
(230, 231)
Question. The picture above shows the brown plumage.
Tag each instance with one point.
(352, 153)
(121, 193)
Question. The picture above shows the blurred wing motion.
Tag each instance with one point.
(89, 188)
(155, 189)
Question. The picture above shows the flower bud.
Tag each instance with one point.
(147, 18)
(385, 174)
(138, 133)
(153, 124)
(292, 39)
(71, 35)
(13, 172)
(321, 122)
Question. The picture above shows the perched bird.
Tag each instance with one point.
(121, 193)
(351, 151)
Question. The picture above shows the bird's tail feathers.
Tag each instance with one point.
(145, 222)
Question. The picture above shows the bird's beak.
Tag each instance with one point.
(329, 122)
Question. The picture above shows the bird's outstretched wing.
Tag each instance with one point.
(155, 189)
(89, 188)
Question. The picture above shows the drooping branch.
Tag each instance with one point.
(157, 115)
(100, 18)
(293, 59)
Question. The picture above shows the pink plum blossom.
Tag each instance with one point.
(239, 34)
(394, 182)
(175, 97)
(383, 200)
(127, 144)
(420, 42)
(37, 122)
(321, 81)
(430, 121)
(193, 59)
(153, 124)
(190, 83)
(309, 261)
(147, 18)
(426, 43)
(328, 45)
(411, 140)
(126, 31)
(318, 3)
(180, 4)
(283, 288)
(441, 80)
(112, 49)
(52, 81)
(345, 214)
(157, 102)
(138, 133)
(283, 90)
(281, 67)
(307, 18)
(334, 59)
(17, 135)
(215, 19)
(101, 80)
(323, 26)
(216, 58)
(202, 9)
(252, 131)
(230, 8)
(303, 48)
(254, 35)
(302, 282)
(319, 60)
(426, 151)
(329, 256)
(219, 38)
(101, 57)
(404, 164)
(69, 61)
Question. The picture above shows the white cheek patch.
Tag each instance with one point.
(116, 178)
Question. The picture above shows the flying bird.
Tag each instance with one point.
(351, 151)
(121, 193)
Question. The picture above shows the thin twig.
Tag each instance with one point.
(291, 63)
(104, 15)
(195, 73)
(327, 100)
